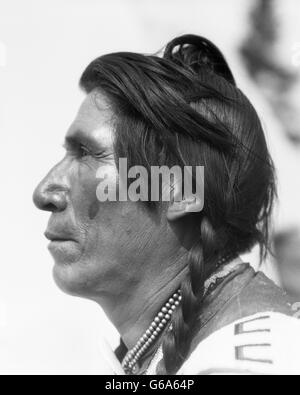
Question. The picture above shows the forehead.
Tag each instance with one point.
(93, 120)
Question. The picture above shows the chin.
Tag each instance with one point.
(65, 252)
(69, 280)
(77, 279)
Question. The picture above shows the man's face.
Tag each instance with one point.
(96, 246)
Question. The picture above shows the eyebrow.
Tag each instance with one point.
(78, 137)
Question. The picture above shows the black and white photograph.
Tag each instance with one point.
(150, 221)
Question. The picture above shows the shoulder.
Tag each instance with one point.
(258, 295)
(247, 294)
(263, 343)
(263, 293)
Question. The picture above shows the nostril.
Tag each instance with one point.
(50, 207)
(50, 201)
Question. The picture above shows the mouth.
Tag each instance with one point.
(63, 247)
(57, 237)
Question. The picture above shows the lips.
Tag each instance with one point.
(64, 248)
(57, 236)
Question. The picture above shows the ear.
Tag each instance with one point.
(179, 209)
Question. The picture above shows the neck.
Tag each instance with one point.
(132, 329)
(133, 310)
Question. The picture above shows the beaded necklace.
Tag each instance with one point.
(160, 322)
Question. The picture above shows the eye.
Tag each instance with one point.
(83, 151)
(100, 155)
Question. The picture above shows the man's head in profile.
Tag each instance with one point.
(131, 255)
(99, 247)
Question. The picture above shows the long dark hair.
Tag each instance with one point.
(185, 107)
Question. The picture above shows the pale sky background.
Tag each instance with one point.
(44, 47)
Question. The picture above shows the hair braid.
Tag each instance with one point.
(177, 342)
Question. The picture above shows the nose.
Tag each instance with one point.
(51, 193)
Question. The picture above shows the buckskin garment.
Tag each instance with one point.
(248, 325)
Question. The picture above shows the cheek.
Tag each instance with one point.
(116, 233)
(84, 200)
(98, 221)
